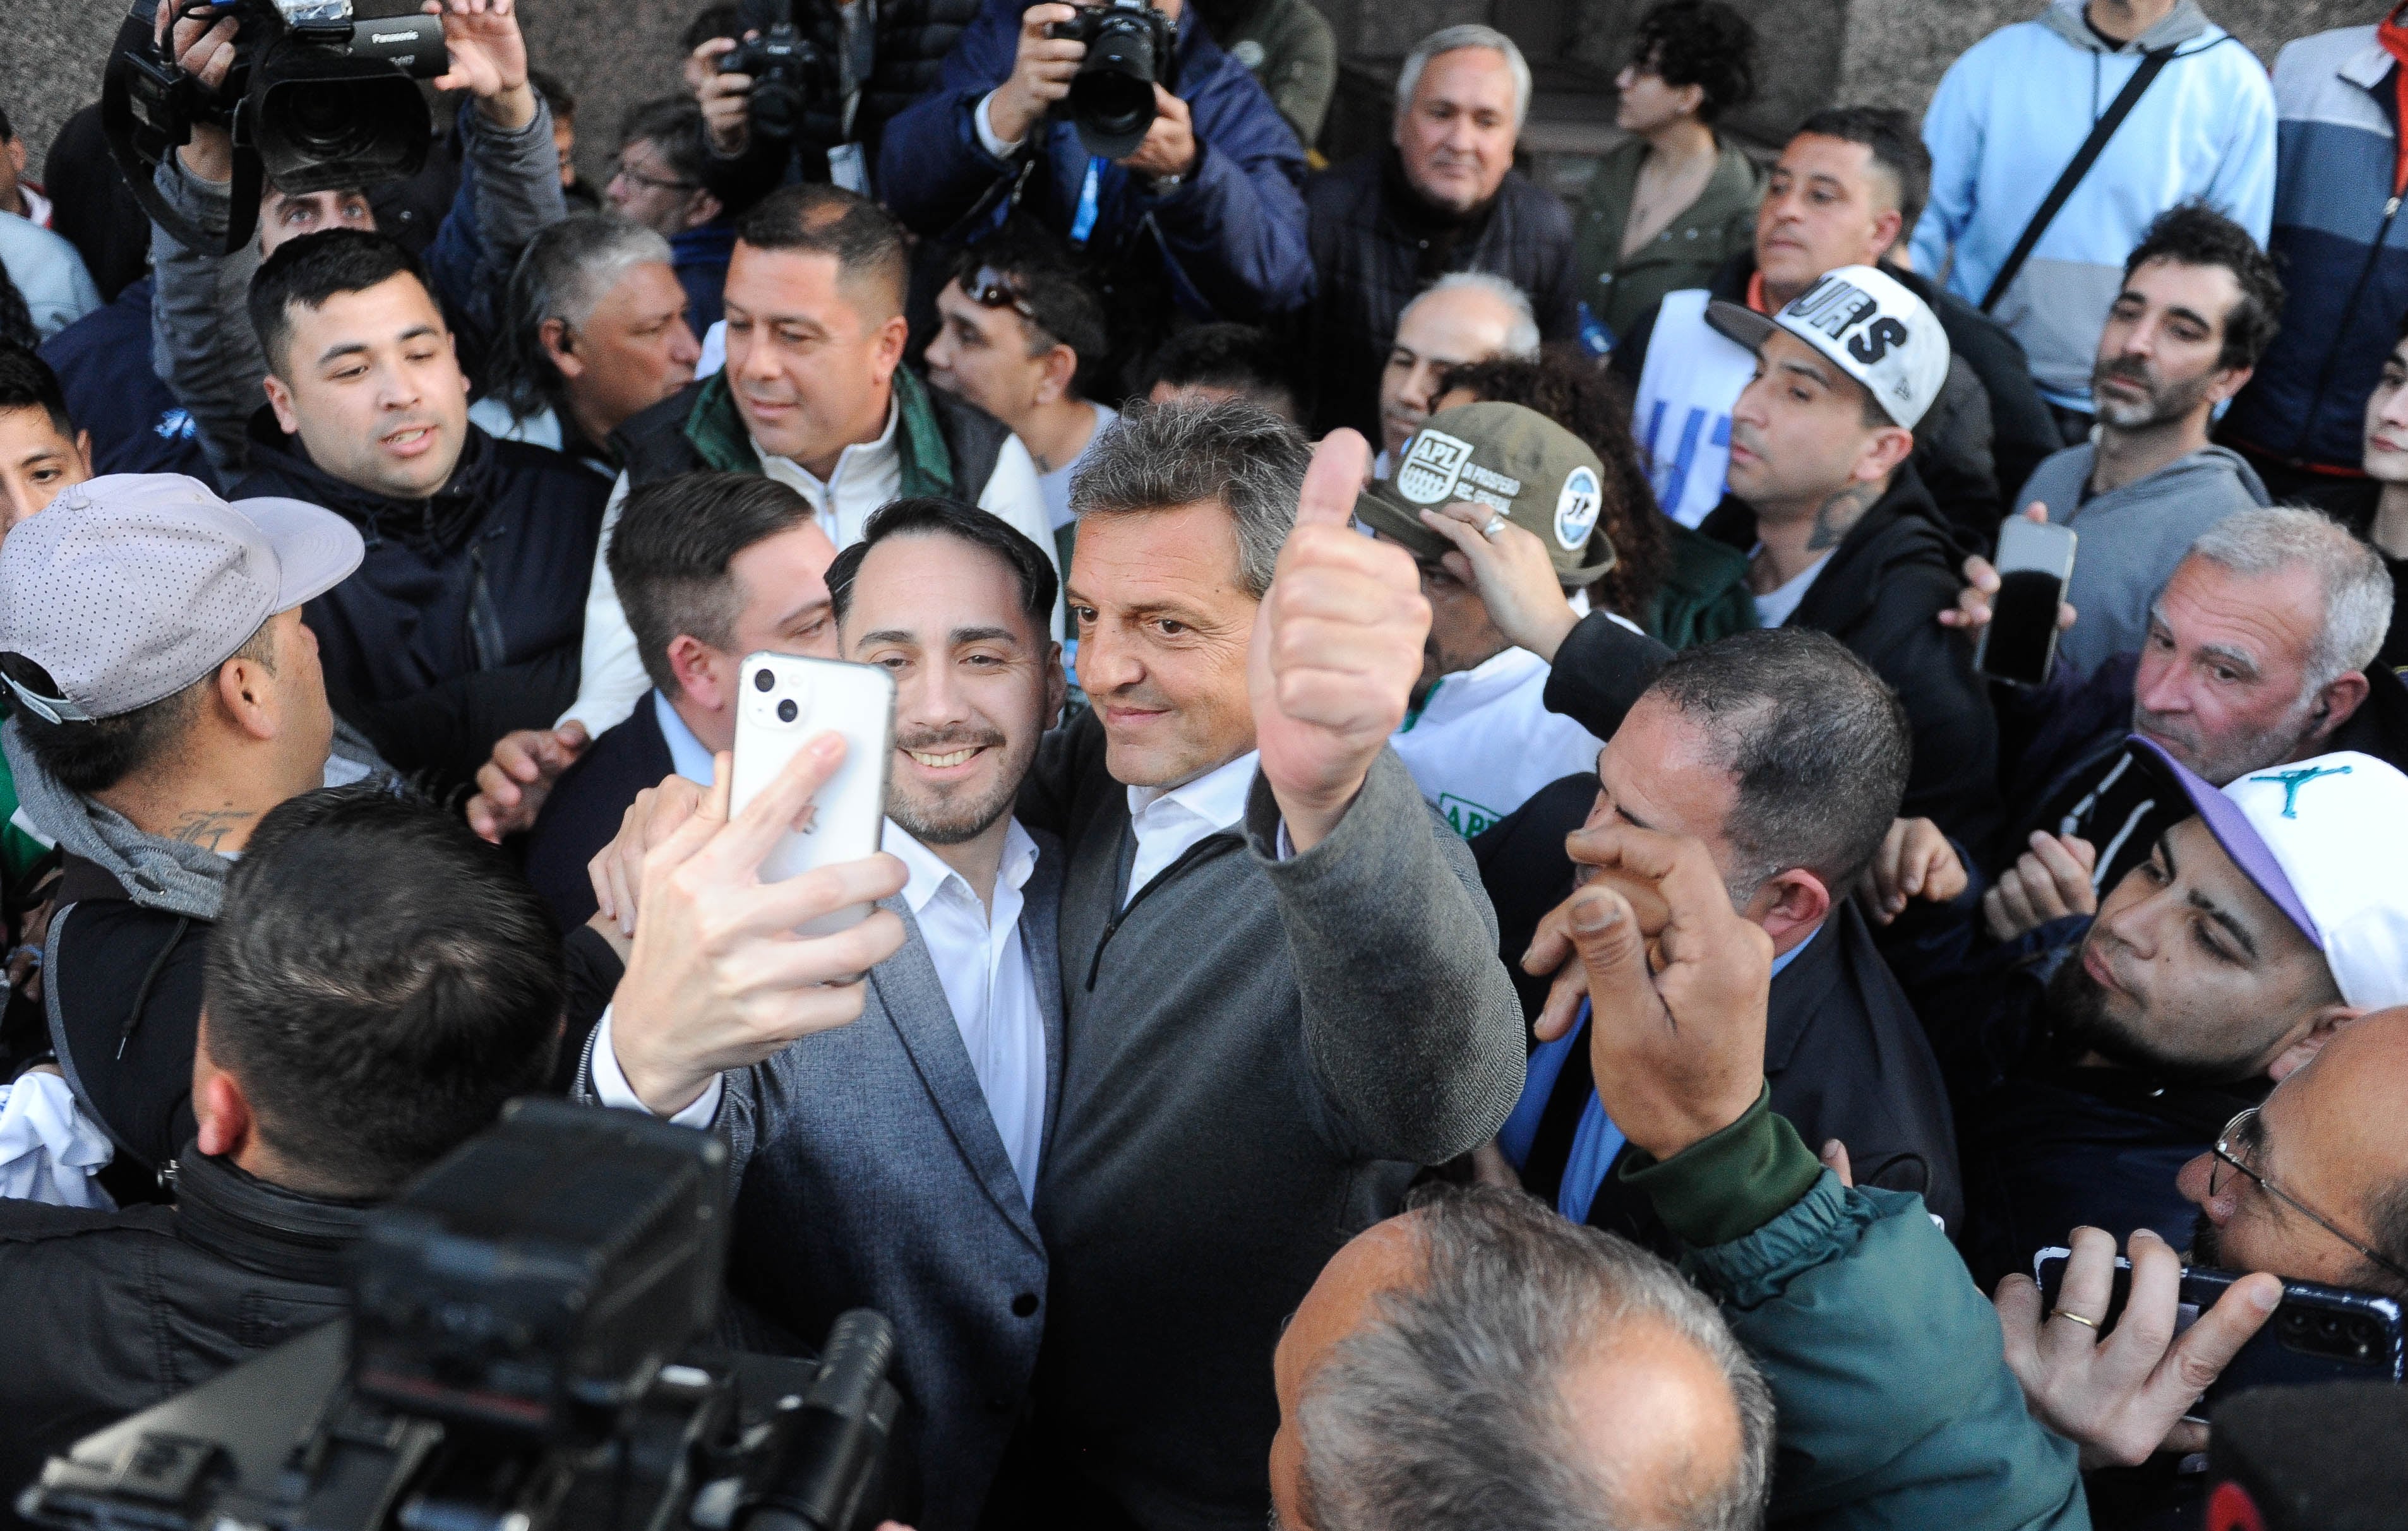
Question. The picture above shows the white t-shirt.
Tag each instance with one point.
(1056, 484)
(1775, 607)
(1483, 741)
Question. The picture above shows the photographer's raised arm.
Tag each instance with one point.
(510, 191)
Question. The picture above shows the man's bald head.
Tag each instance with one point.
(1482, 1362)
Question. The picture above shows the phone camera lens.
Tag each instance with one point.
(786, 710)
(763, 681)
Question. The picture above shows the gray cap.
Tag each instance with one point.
(131, 587)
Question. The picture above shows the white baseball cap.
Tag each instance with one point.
(1868, 326)
(2325, 840)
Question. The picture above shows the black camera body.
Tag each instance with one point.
(1128, 52)
(523, 1353)
(322, 97)
(785, 67)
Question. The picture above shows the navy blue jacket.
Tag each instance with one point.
(699, 256)
(103, 361)
(1231, 240)
(586, 806)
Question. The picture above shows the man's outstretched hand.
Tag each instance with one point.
(1337, 648)
(511, 786)
(1676, 1041)
(488, 58)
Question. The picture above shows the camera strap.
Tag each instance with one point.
(1082, 223)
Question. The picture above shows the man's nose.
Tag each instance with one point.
(1105, 664)
(2197, 1179)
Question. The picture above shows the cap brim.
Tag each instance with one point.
(1740, 322)
(316, 550)
(2233, 831)
(1374, 508)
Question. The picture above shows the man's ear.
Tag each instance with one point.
(2339, 700)
(553, 335)
(1886, 230)
(1057, 685)
(83, 452)
(220, 1109)
(247, 692)
(702, 210)
(1789, 905)
(280, 398)
(697, 665)
(2322, 1027)
(1884, 452)
(1061, 369)
(889, 341)
(2232, 380)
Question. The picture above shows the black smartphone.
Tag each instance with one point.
(2318, 1334)
(2035, 560)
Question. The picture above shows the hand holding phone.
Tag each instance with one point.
(784, 703)
(2035, 562)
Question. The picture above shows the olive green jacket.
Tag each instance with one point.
(1287, 46)
(1620, 289)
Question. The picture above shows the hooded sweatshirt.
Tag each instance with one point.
(2008, 117)
(2133, 537)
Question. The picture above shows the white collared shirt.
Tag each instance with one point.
(1167, 820)
(989, 986)
(688, 756)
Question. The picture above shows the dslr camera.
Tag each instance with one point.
(1112, 97)
(322, 95)
(524, 1354)
(783, 66)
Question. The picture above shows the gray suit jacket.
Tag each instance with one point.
(869, 1173)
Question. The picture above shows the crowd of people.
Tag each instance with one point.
(1464, 937)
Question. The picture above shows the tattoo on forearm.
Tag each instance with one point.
(208, 828)
(1840, 514)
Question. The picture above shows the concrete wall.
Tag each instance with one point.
(613, 52)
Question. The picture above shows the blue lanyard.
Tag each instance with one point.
(1083, 223)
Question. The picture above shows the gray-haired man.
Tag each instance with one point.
(1444, 197)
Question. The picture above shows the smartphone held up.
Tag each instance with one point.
(787, 702)
(2035, 564)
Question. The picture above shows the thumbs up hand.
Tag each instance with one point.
(1337, 648)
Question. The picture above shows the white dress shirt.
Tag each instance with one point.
(989, 986)
(868, 474)
(1169, 820)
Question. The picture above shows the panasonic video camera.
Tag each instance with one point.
(521, 1357)
(785, 67)
(322, 97)
(1112, 97)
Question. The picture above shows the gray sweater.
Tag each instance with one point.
(1257, 1053)
(2133, 537)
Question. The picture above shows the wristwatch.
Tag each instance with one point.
(1165, 185)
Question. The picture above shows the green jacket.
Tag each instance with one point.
(1704, 595)
(1620, 290)
(1893, 1404)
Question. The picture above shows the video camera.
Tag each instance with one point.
(1112, 97)
(521, 1357)
(783, 66)
(322, 97)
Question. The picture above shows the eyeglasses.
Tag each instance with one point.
(624, 171)
(991, 289)
(2229, 1147)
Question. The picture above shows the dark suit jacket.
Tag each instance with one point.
(585, 808)
(1842, 1050)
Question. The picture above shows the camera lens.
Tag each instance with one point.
(763, 681)
(786, 710)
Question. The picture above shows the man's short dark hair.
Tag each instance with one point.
(1238, 357)
(1047, 277)
(932, 515)
(1896, 149)
(1818, 742)
(2196, 234)
(668, 558)
(672, 125)
(380, 981)
(27, 382)
(93, 757)
(821, 220)
(1703, 43)
(710, 22)
(315, 267)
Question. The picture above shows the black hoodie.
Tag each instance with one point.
(463, 620)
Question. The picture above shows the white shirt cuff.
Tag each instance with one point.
(610, 1086)
(984, 122)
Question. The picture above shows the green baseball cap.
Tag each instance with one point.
(1515, 460)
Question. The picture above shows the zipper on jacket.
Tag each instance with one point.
(1194, 853)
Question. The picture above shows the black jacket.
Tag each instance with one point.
(1376, 245)
(1969, 467)
(111, 1312)
(585, 808)
(463, 620)
(1882, 594)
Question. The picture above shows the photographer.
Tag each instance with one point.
(510, 190)
(1205, 212)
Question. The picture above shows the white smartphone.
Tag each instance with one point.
(785, 703)
(2035, 560)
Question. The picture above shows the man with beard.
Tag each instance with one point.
(2197, 309)
(2087, 1065)
(892, 1162)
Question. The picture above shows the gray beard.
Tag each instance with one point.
(2169, 402)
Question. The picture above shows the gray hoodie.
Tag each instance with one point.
(2133, 537)
(156, 873)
